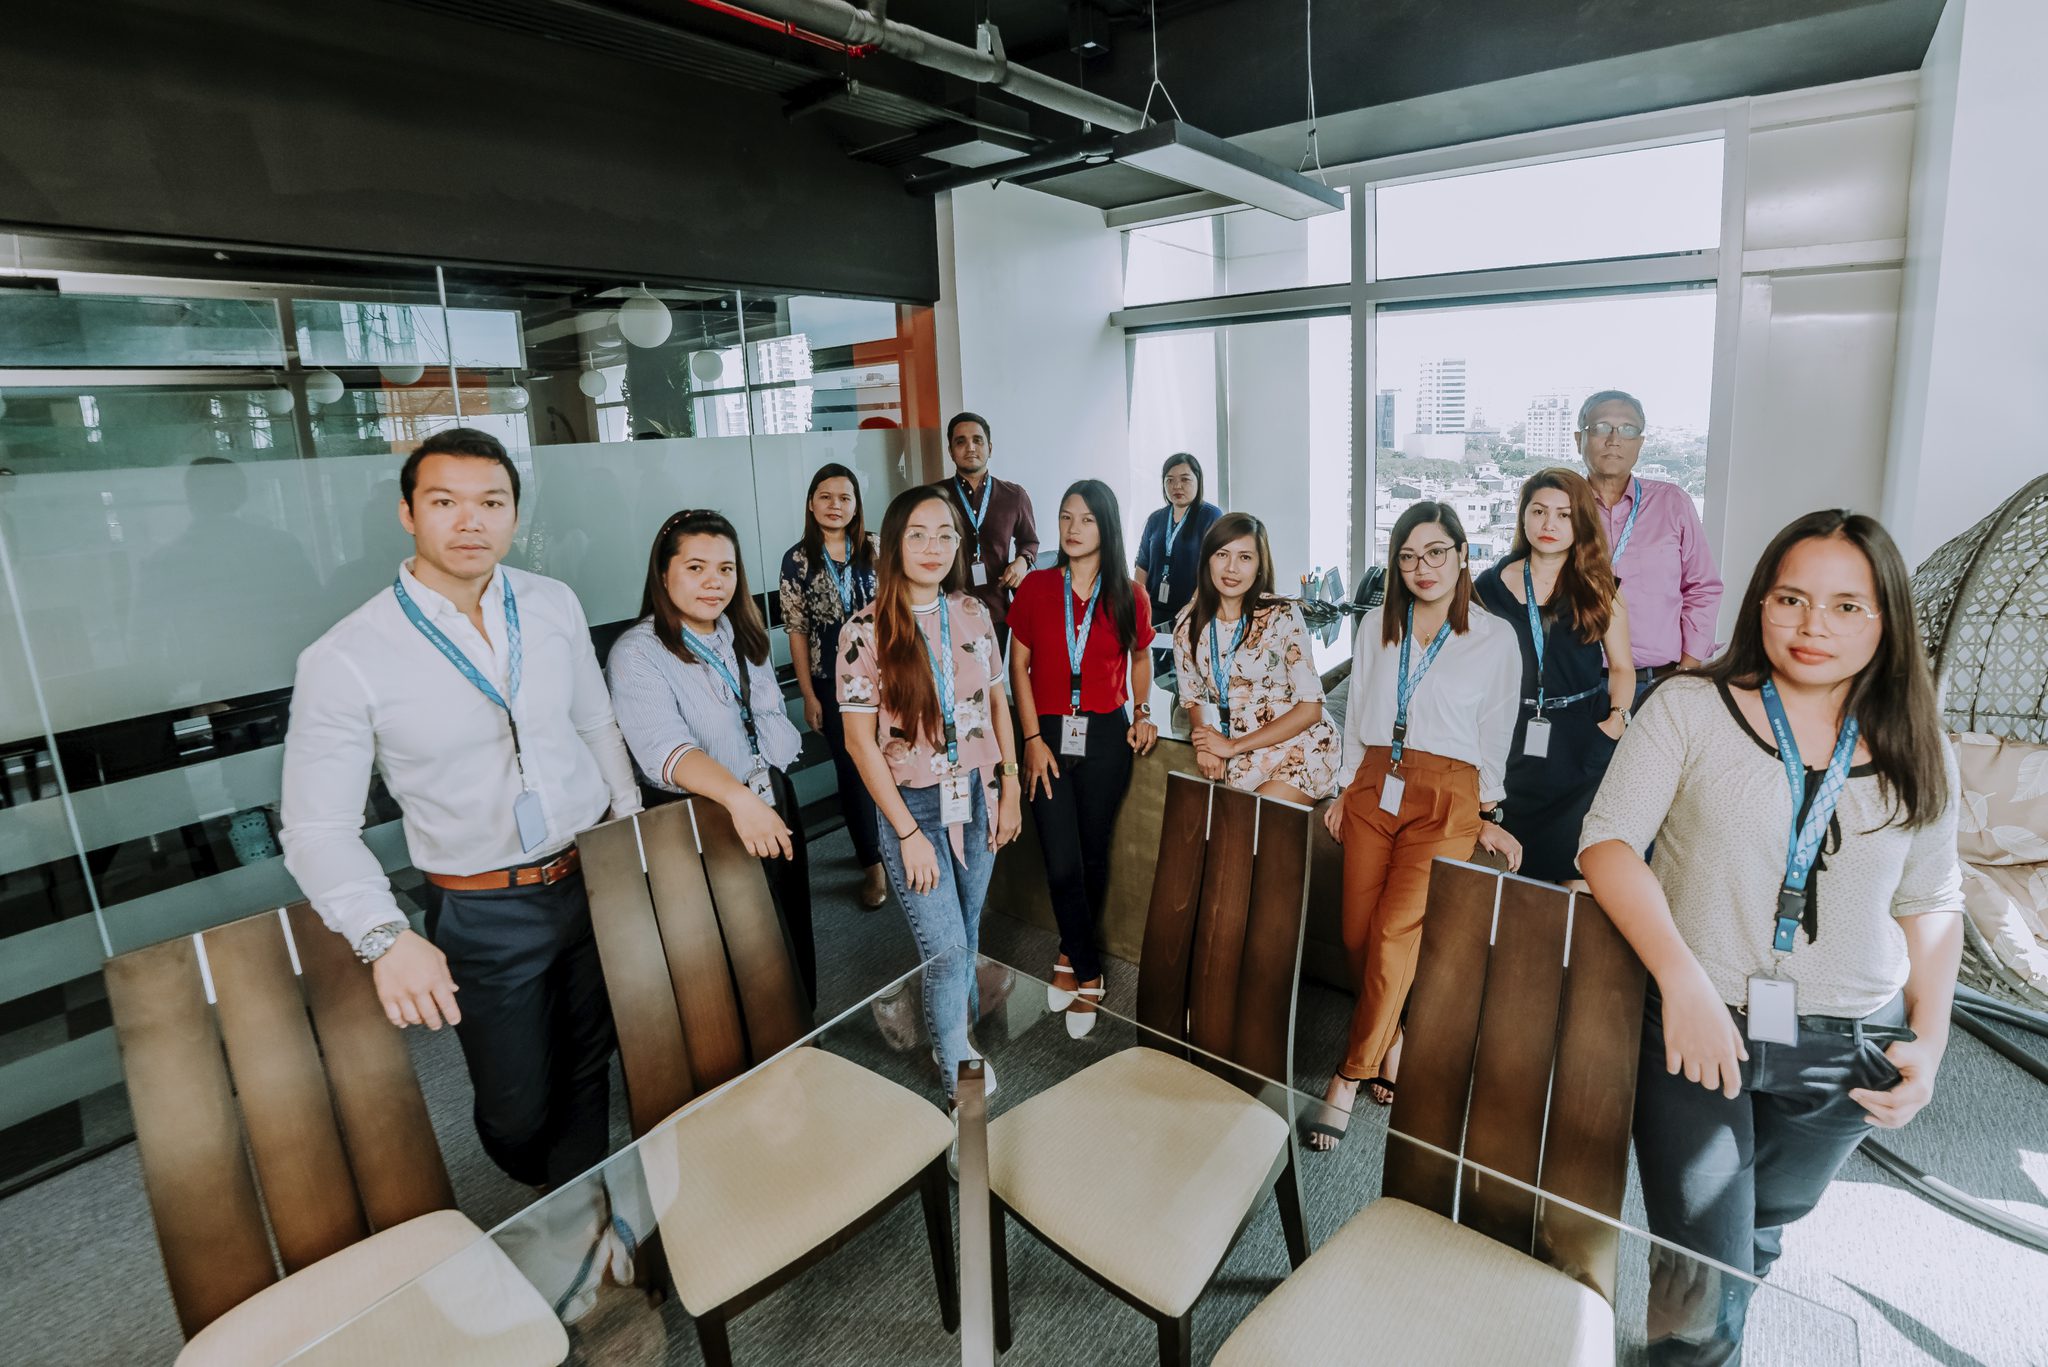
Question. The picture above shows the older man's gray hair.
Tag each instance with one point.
(1610, 396)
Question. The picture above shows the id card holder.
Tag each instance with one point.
(1773, 1010)
(1536, 738)
(1391, 789)
(531, 819)
(1073, 735)
(955, 802)
(980, 575)
(762, 783)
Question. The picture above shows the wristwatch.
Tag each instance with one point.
(1144, 709)
(1497, 814)
(379, 939)
(1008, 768)
(1625, 715)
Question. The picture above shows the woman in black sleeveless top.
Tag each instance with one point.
(1561, 751)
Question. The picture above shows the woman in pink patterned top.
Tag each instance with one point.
(928, 725)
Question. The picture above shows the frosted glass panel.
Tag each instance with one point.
(783, 467)
(377, 332)
(39, 329)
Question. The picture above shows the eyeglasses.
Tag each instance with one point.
(1629, 431)
(918, 539)
(1432, 556)
(1844, 617)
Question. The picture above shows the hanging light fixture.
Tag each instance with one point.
(592, 383)
(707, 366)
(514, 397)
(277, 401)
(402, 373)
(324, 386)
(644, 320)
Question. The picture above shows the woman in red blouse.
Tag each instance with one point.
(1078, 654)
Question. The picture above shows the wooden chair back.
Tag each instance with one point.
(1520, 1054)
(266, 1080)
(702, 980)
(1222, 941)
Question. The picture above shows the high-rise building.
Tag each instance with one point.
(1440, 400)
(1548, 426)
(1384, 432)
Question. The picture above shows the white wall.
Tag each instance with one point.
(1029, 282)
(1974, 337)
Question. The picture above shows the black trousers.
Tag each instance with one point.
(536, 1028)
(854, 803)
(789, 880)
(1076, 823)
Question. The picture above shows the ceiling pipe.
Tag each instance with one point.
(788, 30)
(857, 28)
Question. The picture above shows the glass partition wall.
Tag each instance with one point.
(199, 457)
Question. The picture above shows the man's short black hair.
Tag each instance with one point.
(457, 441)
(958, 418)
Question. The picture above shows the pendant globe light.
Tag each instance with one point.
(402, 373)
(277, 401)
(324, 386)
(644, 320)
(592, 383)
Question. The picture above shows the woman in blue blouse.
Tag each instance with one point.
(699, 706)
(1170, 548)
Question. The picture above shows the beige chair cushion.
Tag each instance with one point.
(762, 1173)
(454, 1299)
(1401, 1284)
(2009, 905)
(1141, 1166)
(2004, 815)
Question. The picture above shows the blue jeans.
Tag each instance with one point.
(946, 922)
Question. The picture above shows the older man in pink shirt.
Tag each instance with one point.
(1660, 550)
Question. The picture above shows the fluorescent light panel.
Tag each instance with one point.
(1203, 161)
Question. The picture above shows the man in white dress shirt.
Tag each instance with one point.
(472, 687)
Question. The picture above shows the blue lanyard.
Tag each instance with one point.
(1173, 527)
(1078, 645)
(841, 577)
(1628, 528)
(707, 651)
(1804, 848)
(943, 674)
(514, 654)
(1535, 627)
(1406, 687)
(1221, 664)
(974, 516)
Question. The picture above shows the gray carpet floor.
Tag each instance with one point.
(1874, 1275)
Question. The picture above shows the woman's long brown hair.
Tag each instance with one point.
(1221, 533)
(1394, 612)
(749, 635)
(1586, 585)
(908, 689)
(1893, 699)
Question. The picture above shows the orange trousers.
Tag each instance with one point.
(1386, 884)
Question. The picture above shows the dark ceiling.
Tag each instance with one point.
(1390, 75)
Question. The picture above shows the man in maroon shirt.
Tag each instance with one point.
(1002, 537)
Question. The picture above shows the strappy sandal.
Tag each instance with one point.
(1079, 1023)
(1321, 1124)
(1060, 998)
(1376, 1085)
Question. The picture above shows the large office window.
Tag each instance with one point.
(1245, 251)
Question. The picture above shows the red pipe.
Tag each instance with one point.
(788, 30)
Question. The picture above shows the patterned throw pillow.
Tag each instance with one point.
(2004, 817)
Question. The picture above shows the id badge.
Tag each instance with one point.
(1073, 735)
(1536, 738)
(980, 575)
(532, 821)
(955, 801)
(1390, 794)
(763, 784)
(1163, 585)
(1773, 1010)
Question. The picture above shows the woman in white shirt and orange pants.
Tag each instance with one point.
(1436, 684)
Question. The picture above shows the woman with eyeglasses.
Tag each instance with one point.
(920, 683)
(700, 708)
(826, 578)
(1435, 684)
(1169, 549)
(1078, 637)
(1800, 915)
(1248, 674)
(1557, 591)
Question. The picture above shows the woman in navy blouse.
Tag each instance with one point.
(1170, 548)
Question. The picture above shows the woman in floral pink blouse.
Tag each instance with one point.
(921, 687)
(1246, 673)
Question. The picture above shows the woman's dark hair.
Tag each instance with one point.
(1893, 698)
(1394, 613)
(456, 441)
(1111, 573)
(1221, 533)
(1184, 458)
(749, 636)
(859, 554)
(908, 689)
(1586, 586)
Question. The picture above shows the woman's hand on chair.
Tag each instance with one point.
(1495, 839)
(760, 829)
(1333, 818)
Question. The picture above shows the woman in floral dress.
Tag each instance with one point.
(1247, 674)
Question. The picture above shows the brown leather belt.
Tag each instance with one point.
(528, 876)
